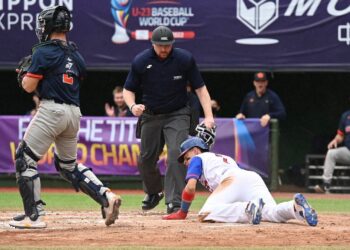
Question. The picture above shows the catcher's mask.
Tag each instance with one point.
(206, 134)
(189, 144)
(53, 19)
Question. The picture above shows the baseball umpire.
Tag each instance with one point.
(55, 71)
(162, 73)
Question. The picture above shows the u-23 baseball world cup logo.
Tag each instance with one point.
(257, 15)
(120, 12)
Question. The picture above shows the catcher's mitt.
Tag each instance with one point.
(22, 68)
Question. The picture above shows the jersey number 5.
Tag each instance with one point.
(68, 79)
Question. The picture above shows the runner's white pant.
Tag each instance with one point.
(228, 202)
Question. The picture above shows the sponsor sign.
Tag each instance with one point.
(230, 34)
(109, 147)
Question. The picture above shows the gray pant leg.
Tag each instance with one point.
(66, 142)
(169, 186)
(44, 127)
(175, 132)
(339, 155)
(151, 145)
(66, 146)
(39, 136)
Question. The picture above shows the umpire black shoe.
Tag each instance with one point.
(151, 201)
(172, 208)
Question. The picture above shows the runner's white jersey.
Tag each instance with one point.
(210, 169)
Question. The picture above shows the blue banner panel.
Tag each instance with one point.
(230, 34)
(109, 146)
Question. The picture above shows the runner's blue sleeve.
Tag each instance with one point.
(195, 169)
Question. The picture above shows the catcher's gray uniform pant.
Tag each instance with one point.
(59, 124)
(339, 155)
(173, 128)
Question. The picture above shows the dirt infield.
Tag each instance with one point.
(135, 228)
(138, 229)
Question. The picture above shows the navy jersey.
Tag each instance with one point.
(61, 69)
(163, 82)
(269, 103)
(344, 128)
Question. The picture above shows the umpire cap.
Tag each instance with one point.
(189, 144)
(162, 35)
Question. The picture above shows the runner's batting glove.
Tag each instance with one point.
(179, 215)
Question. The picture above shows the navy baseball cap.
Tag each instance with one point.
(190, 143)
(260, 76)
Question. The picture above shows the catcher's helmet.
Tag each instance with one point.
(53, 19)
(189, 144)
(206, 134)
(162, 36)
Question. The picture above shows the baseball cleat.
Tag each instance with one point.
(254, 211)
(112, 211)
(151, 201)
(304, 210)
(39, 207)
(27, 223)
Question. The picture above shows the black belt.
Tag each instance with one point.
(151, 112)
(61, 102)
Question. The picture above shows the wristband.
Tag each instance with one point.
(186, 201)
(132, 106)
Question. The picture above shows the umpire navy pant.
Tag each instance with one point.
(157, 129)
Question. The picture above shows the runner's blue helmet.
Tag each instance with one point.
(189, 144)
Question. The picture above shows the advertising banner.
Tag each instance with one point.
(109, 147)
(230, 35)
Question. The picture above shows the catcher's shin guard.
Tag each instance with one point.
(81, 179)
(26, 189)
(27, 179)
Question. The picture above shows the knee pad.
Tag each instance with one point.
(21, 162)
(26, 188)
(81, 181)
(65, 174)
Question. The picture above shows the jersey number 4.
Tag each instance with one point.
(68, 79)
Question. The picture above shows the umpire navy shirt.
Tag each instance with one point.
(163, 82)
(344, 128)
(60, 69)
(269, 103)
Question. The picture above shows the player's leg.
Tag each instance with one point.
(272, 212)
(229, 204)
(29, 187)
(82, 177)
(298, 208)
(339, 155)
(151, 145)
(225, 203)
(176, 131)
(36, 142)
(256, 188)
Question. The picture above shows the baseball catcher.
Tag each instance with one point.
(55, 71)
